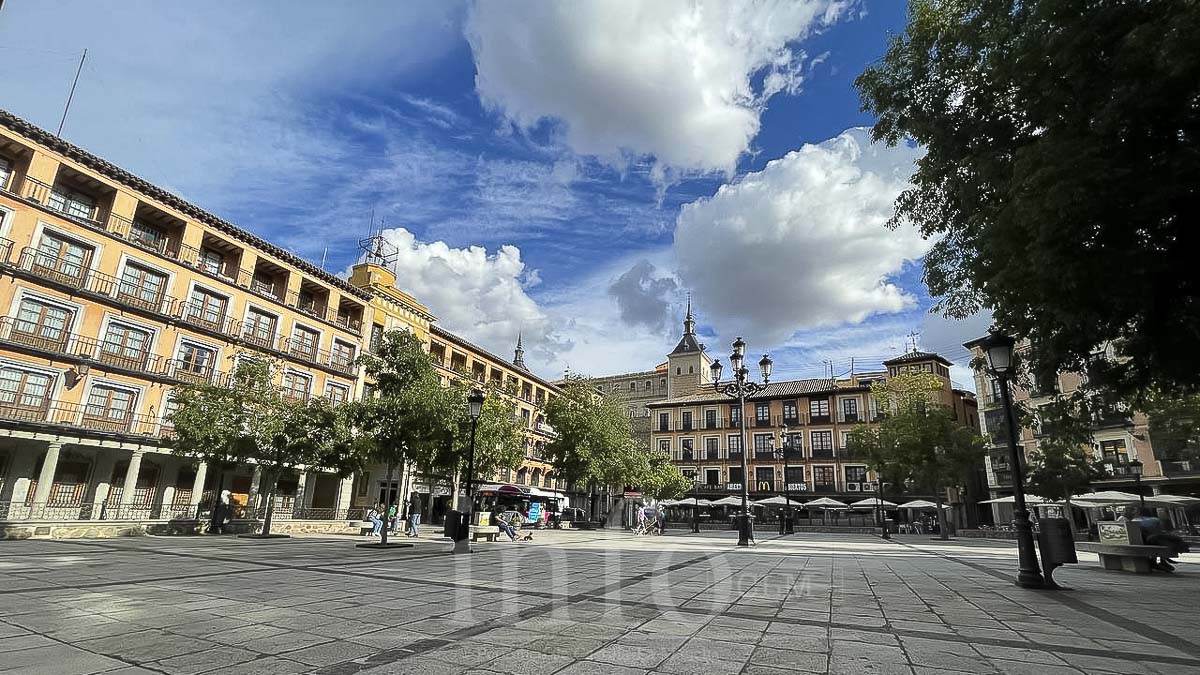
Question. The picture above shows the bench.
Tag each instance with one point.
(364, 526)
(1128, 557)
(486, 532)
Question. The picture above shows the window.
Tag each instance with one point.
(72, 203)
(664, 445)
(377, 338)
(41, 324)
(822, 444)
(304, 342)
(823, 476)
(343, 355)
(633, 386)
(735, 475)
(735, 415)
(207, 308)
(762, 414)
(259, 327)
(687, 449)
(61, 258)
(678, 371)
(1114, 452)
(764, 478)
(5, 173)
(818, 408)
(794, 475)
(211, 261)
(125, 346)
(763, 448)
(148, 236)
(109, 408)
(142, 286)
(687, 420)
(307, 302)
(710, 419)
(850, 409)
(712, 447)
(296, 385)
(735, 446)
(263, 282)
(664, 421)
(195, 360)
(337, 393)
(648, 385)
(856, 474)
(794, 442)
(791, 413)
(24, 390)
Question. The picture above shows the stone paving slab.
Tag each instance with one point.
(581, 602)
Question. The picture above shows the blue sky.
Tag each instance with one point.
(566, 170)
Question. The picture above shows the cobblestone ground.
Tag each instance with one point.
(580, 602)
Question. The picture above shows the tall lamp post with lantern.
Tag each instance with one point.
(998, 348)
(474, 410)
(740, 388)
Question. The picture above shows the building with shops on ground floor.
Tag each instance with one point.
(707, 434)
(1120, 435)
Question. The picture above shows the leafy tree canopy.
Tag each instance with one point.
(594, 442)
(1059, 174)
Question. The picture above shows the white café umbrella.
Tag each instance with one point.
(727, 501)
(1178, 500)
(921, 504)
(826, 503)
(1114, 498)
(873, 502)
(777, 500)
(1029, 499)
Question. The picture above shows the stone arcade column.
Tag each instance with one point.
(252, 497)
(198, 487)
(130, 484)
(345, 495)
(300, 502)
(45, 484)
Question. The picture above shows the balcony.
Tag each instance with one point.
(712, 423)
(849, 418)
(824, 488)
(735, 423)
(735, 455)
(105, 286)
(664, 426)
(712, 454)
(75, 416)
(687, 456)
(790, 420)
(60, 200)
(685, 425)
(764, 456)
(1180, 468)
(822, 453)
(820, 419)
(762, 421)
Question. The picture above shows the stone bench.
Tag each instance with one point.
(1135, 558)
(486, 532)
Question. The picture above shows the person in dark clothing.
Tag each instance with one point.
(1154, 534)
(414, 515)
(498, 520)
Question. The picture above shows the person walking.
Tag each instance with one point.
(393, 520)
(414, 515)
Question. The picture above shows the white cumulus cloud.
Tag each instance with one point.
(802, 243)
(682, 81)
(475, 293)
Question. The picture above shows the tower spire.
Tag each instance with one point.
(519, 354)
(689, 321)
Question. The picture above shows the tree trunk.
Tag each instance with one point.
(383, 531)
(456, 502)
(943, 531)
(214, 521)
(273, 481)
(1070, 517)
(592, 501)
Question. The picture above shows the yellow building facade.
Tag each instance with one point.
(114, 291)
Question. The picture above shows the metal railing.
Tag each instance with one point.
(75, 415)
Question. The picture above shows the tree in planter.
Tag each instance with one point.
(918, 443)
(1061, 144)
(594, 445)
(1062, 465)
(410, 420)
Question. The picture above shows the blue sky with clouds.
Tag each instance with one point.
(569, 170)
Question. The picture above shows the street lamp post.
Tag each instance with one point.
(879, 485)
(786, 515)
(1135, 468)
(474, 410)
(740, 388)
(999, 350)
(696, 504)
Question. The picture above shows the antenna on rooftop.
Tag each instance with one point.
(914, 336)
(71, 95)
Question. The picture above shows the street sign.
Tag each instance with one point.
(535, 512)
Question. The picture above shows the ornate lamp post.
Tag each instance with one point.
(474, 410)
(696, 504)
(740, 388)
(999, 350)
(1135, 468)
(879, 485)
(785, 516)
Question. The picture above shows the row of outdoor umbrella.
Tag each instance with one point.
(1105, 498)
(822, 503)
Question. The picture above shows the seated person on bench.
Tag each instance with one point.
(499, 521)
(1154, 535)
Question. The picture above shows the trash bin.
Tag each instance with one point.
(1056, 544)
(456, 527)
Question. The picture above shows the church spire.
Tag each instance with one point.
(689, 321)
(519, 354)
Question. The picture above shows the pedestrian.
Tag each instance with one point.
(662, 520)
(498, 518)
(222, 513)
(1154, 534)
(393, 519)
(414, 514)
(375, 517)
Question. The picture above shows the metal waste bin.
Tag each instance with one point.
(1056, 544)
(456, 528)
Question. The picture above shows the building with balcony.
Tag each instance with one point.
(701, 429)
(116, 291)
(455, 358)
(637, 390)
(1119, 436)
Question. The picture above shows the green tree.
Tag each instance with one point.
(1174, 425)
(594, 444)
(410, 419)
(499, 435)
(919, 442)
(661, 479)
(1059, 176)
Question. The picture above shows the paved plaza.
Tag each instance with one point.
(580, 602)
